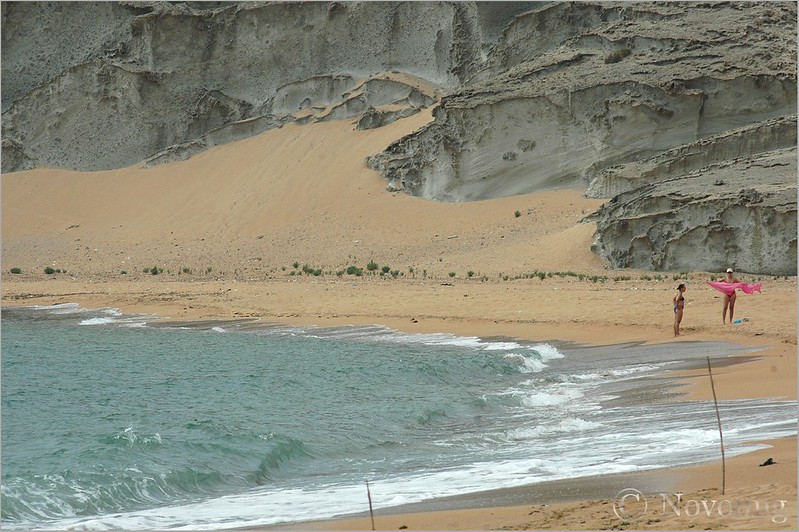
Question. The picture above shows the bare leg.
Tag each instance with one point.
(732, 305)
(677, 320)
(724, 312)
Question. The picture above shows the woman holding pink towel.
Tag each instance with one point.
(729, 299)
(728, 287)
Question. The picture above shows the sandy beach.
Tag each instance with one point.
(230, 231)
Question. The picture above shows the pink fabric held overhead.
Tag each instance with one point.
(729, 288)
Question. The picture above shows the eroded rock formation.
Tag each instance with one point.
(599, 85)
(683, 112)
(707, 220)
(172, 72)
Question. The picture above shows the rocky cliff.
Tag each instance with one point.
(174, 72)
(684, 113)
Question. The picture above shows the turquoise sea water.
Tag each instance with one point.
(109, 421)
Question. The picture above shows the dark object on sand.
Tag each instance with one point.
(768, 462)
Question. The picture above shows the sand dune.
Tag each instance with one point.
(300, 193)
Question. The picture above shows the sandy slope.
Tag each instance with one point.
(302, 193)
(239, 214)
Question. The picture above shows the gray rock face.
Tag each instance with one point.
(73, 73)
(622, 99)
(315, 100)
(572, 89)
(729, 145)
(660, 103)
(707, 220)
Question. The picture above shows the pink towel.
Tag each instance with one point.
(729, 288)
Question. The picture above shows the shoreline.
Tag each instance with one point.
(514, 507)
(465, 309)
(528, 309)
(573, 503)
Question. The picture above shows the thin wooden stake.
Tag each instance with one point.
(721, 436)
(371, 513)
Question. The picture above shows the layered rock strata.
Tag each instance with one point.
(707, 220)
(731, 145)
(660, 103)
(620, 99)
(572, 89)
(171, 72)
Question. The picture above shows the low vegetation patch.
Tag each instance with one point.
(354, 270)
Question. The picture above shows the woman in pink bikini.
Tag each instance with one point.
(729, 299)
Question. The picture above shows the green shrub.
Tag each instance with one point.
(517, 214)
(155, 270)
(186, 270)
(385, 269)
(49, 271)
(372, 266)
(354, 270)
(452, 274)
(16, 270)
(470, 273)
